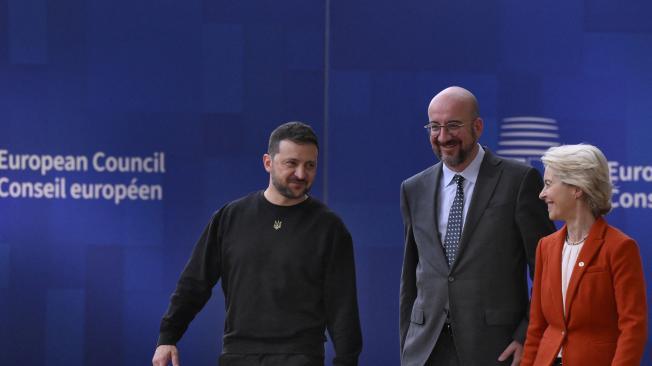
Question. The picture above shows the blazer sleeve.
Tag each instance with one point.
(408, 289)
(538, 323)
(533, 224)
(629, 289)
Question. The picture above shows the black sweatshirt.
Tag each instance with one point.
(287, 275)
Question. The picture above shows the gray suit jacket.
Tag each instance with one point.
(487, 287)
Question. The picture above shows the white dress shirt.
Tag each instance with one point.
(569, 256)
(448, 188)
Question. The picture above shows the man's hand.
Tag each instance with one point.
(164, 354)
(514, 349)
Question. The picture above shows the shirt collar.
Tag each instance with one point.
(470, 173)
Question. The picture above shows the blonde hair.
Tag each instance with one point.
(583, 166)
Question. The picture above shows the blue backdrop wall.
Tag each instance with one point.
(185, 94)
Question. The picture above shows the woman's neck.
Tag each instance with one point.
(579, 226)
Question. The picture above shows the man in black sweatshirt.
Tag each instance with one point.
(286, 265)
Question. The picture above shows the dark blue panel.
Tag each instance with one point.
(67, 264)
(416, 35)
(104, 311)
(580, 98)
(67, 41)
(5, 314)
(182, 218)
(26, 300)
(5, 252)
(143, 269)
(622, 54)
(234, 177)
(617, 16)
(123, 133)
(637, 114)
(94, 221)
(363, 221)
(17, 224)
(65, 327)
(305, 47)
(304, 100)
(143, 225)
(4, 29)
(350, 95)
(223, 53)
(378, 274)
(520, 95)
(142, 314)
(300, 12)
(135, 66)
(264, 74)
(540, 38)
(28, 31)
(218, 143)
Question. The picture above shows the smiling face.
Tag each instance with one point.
(455, 105)
(291, 171)
(561, 198)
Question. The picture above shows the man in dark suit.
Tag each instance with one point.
(472, 223)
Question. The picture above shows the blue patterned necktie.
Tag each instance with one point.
(455, 222)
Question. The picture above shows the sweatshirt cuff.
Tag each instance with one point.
(166, 339)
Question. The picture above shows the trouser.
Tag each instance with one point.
(444, 353)
(268, 359)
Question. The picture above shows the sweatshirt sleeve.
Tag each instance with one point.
(195, 285)
(340, 299)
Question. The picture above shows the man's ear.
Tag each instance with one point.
(478, 126)
(267, 162)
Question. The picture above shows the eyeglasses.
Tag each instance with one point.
(452, 127)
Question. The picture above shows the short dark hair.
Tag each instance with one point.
(297, 132)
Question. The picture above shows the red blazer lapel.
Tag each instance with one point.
(591, 247)
(557, 244)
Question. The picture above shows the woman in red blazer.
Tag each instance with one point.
(588, 302)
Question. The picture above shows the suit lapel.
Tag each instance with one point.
(436, 255)
(591, 247)
(434, 195)
(485, 185)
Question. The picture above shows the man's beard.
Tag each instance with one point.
(285, 190)
(462, 154)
